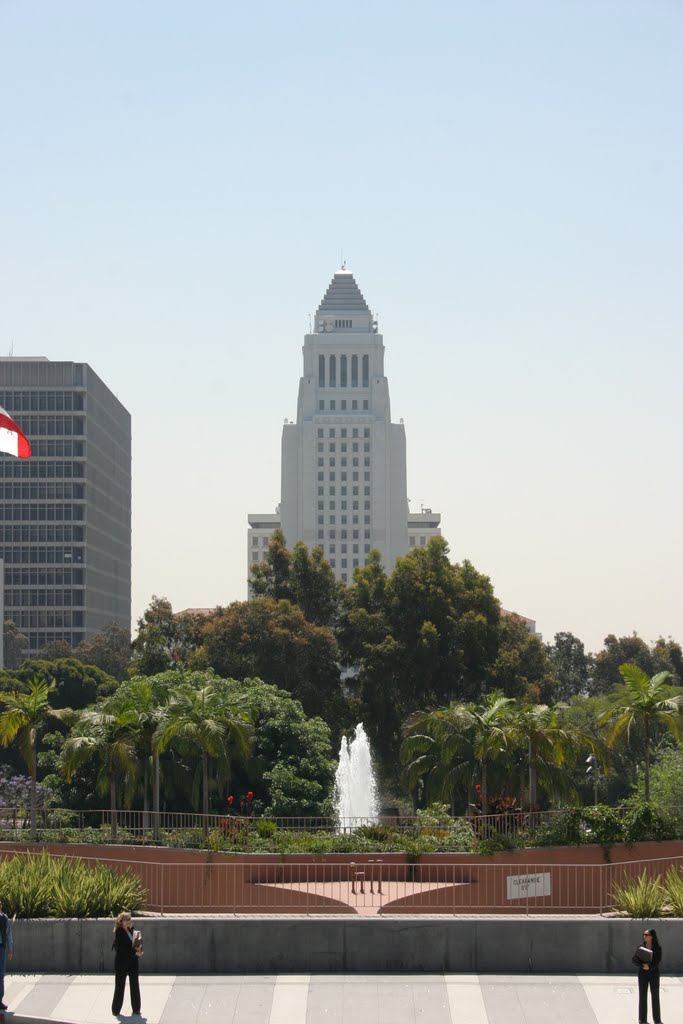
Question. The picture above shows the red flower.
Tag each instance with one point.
(230, 800)
(250, 795)
(478, 788)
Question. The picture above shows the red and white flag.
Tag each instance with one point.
(13, 440)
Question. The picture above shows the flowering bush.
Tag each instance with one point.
(15, 790)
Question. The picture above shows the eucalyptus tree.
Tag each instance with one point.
(209, 720)
(25, 716)
(647, 708)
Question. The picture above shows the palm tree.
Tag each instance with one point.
(436, 750)
(24, 717)
(548, 744)
(492, 729)
(108, 734)
(143, 705)
(207, 720)
(646, 707)
(442, 744)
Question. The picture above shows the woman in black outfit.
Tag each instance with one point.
(127, 954)
(648, 974)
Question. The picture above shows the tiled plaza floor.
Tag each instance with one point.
(343, 999)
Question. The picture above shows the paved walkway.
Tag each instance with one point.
(342, 999)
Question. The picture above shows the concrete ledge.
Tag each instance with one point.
(279, 944)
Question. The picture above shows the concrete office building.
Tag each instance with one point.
(344, 461)
(65, 513)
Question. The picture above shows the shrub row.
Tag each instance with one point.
(434, 831)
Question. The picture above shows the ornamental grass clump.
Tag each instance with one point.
(44, 886)
(640, 897)
(673, 888)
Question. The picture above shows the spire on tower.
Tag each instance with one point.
(343, 295)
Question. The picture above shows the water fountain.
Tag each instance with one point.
(355, 786)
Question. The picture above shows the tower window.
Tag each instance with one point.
(366, 371)
(333, 371)
(342, 371)
(354, 371)
(321, 371)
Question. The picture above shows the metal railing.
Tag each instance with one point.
(143, 824)
(373, 886)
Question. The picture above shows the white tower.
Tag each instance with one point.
(344, 461)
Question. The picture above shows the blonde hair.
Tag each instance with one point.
(119, 920)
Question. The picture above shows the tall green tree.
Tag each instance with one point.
(291, 767)
(110, 650)
(164, 640)
(646, 708)
(571, 665)
(423, 636)
(521, 667)
(75, 685)
(15, 643)
(25, 717)
(272, 640)
(301, 576)
(662, 656)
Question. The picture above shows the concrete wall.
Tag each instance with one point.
(309, 945)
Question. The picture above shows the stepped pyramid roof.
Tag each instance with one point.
(343, 295)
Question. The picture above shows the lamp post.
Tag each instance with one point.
(594, 770)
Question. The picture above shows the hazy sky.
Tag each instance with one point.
(177, 181)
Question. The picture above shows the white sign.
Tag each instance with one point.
(521, 886)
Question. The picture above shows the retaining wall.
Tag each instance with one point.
(197, 881)
(345, 944)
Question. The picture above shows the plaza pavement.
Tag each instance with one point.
(341, 999)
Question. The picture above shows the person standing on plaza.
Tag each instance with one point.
(127, 952)
(648, 957)
(6, 951)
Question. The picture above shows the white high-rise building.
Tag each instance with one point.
(344, 461)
